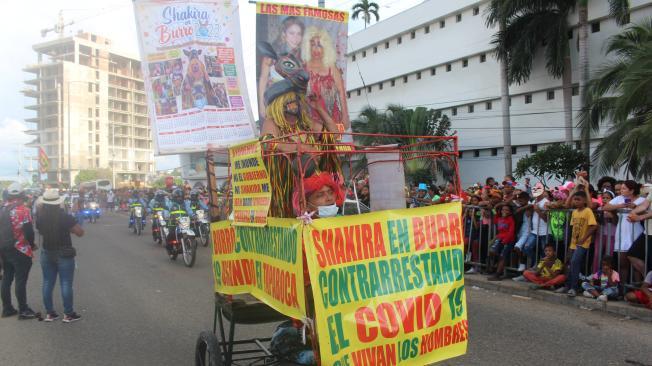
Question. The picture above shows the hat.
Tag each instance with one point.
(51, 197)
(537, 190)
(567, 186)
(423, 187)
(15, 189)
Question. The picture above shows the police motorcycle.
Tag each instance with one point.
(159, 208)
(92, 211)
(181, 238)
(137, 214)
(200, 220)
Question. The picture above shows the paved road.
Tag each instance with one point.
(141, 309)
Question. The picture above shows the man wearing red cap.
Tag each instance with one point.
(323, 195)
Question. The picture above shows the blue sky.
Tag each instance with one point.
(111, 18)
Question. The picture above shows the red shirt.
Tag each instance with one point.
(506, 228)
(20, 215)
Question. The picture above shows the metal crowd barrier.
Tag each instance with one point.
(480, 231)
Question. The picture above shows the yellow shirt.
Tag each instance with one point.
(581, 221)
(548, 272)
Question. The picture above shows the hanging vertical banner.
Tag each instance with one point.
(250, 180)
(43, 161)
(389, 286)
(312, 38)
(194, 75)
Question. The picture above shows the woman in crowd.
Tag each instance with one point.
(58, 254)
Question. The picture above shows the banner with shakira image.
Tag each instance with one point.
(250, 181)
(265, 262)
(389, 286)
(305, 46)
(193, 72)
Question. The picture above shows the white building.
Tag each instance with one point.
(439, 55)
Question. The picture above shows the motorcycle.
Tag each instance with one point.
(183, 241)
(201, 227)
(137, 219)
(92, 212)
(159, 228)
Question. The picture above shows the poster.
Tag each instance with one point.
(315, 36)
(263, 261)
(251, 188)
(389, 286)
(193, 73)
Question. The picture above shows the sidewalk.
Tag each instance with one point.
(618, 308)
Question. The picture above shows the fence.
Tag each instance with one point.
(614, 237)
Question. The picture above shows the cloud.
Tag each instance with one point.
(167, 162)
(12, 139)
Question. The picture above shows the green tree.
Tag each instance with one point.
(621, 94)
(365, 9)
(86, 175)
(558, 161)
(397, 120)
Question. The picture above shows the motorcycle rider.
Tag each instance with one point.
(178, 208)
(195, 203)
(135, 201)
(159, 202)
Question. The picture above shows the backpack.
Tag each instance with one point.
(7, 239)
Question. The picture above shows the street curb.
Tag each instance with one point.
(618, 308)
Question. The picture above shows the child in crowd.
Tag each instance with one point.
(644, 295)
(548, 273)
(472, 218)
(604, 283)
(505, 238)
(584, 226)
(523, 215)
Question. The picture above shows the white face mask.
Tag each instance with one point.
(327, 211)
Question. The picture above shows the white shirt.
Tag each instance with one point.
(539, 225)
(109, 197)
(626, 232)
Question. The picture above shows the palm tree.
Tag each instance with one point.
(528, 25)
(397, 120)
(365, 8)
(619, 9)
(621, 94)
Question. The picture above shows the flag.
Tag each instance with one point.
(43, 161)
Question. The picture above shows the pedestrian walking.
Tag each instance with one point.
(16, 251)
(58, 254)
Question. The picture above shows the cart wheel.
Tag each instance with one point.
(207, 350)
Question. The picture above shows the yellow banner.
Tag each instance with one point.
(263, 261)
(389, 286)
(250, 180)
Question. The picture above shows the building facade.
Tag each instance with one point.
(439, 55)
(91, 110)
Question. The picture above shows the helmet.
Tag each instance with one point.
(15, 189)
(194, 195)
(160, 195)
(134, 194)
(177, 195)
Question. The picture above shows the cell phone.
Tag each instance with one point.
(628, 200)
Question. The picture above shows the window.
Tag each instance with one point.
(358, 92)
(90, 87)
(419, 75)
(97, 139)
(97, 162)
(97, 99)
(426, 30)
(442, 23)
(380, 86)
(510, 101)
(405, 79)
(454, 111)
(483, 58)
(461, 154)
(471, 108)
(90, 112)
(476, 10)
(90, 125)
(393, 82)
(375, 49)
(533, 149)
(458, 18)
(97, 125)
(364, 54)
(465, 63)
(413, 34)
(97, 74)
(595, 27)
(433, 71)
(97, 112)
(348, 95)
(353, 57)
(551, 94)
(369, 89)
(570, 34)
(494, 152)
(97, 87)
(448, 67)
(97, 149)
(386, 45)
(575, 91)
(528, 98)
(514, 150)
(476, 153)
(488, 106)
(578, 145)
(93, 38)
(399, 40)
